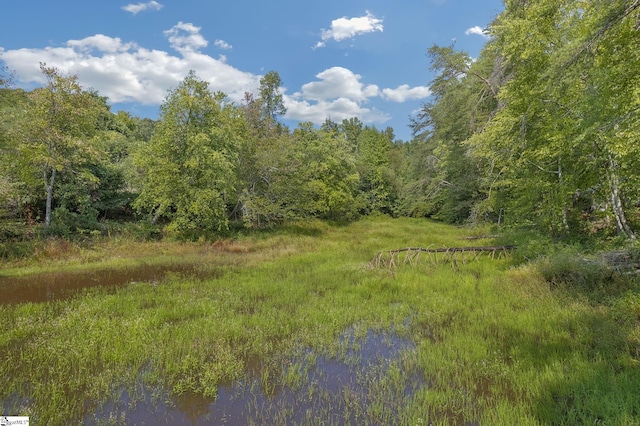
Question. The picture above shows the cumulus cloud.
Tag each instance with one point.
(405, 93)
(101, 42)
(346, 28)
(222, 45)
(477, 30)
(338, 82)
(126, 72)
(335, 109)
(140, 7)
(186, 37)
(337, 94)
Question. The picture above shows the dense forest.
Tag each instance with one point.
(541, 131)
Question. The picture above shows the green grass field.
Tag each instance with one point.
(485, 341)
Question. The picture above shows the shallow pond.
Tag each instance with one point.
(353, 389)
(50, 286)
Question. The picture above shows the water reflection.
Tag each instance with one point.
(353, 389)
(49, 286)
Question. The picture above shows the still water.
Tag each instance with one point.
(347, 389)
(50, 286)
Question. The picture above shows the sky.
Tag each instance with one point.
(337, 59)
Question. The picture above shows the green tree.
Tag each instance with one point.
(188, 168)
(12, 105)
(262, 112)
(351, 129)
(270, 97)
(464, 97)
(569, 112)
(6, 77)
(265, 157)
(377, 180)
(56, 131)
(326, 177)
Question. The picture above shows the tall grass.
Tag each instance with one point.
(495, 344)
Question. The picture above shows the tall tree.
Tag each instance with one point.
(7, 77)
(270, 96)
(263, 155)
(377, 180)
(351, 129)
(56, 136)
(188, 168)
(569, 112)
(327, 175)
(464, 97)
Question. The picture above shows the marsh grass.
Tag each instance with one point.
(490, 343)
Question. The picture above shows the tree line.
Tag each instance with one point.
(541, 130)
(70, 165)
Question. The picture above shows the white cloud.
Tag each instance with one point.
(338, 94)
(477, 30)
(126, 72)
(404, 93)
(346, 28)
(139, 7)
(223, 45)
(102, 43)
(336, 109)
(338, 82)
(186, 37)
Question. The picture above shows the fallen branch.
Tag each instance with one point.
(454, 255)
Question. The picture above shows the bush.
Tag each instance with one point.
(13, 250)
(66, 224)
(531, 245)
(575, 271)
(595, 278)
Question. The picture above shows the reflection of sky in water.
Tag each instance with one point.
(333, 392)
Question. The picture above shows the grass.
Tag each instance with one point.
(494, 343)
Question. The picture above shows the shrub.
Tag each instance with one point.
(574, 271)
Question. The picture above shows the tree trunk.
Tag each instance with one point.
(616, 202)
(47, 215)
(155, 217)
(565, 222)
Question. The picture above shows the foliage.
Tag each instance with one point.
(187, 169)
(326, 174)
(53, 136)
(463, 100)
(541, 129)
(264, 158)
(378, 186)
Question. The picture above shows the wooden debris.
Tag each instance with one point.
(454, 255)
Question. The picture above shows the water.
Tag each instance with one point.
(332, 391)
(50, 286)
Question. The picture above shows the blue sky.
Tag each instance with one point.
(336, 58)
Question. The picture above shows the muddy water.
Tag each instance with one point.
(332, 392)
(49, 286)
